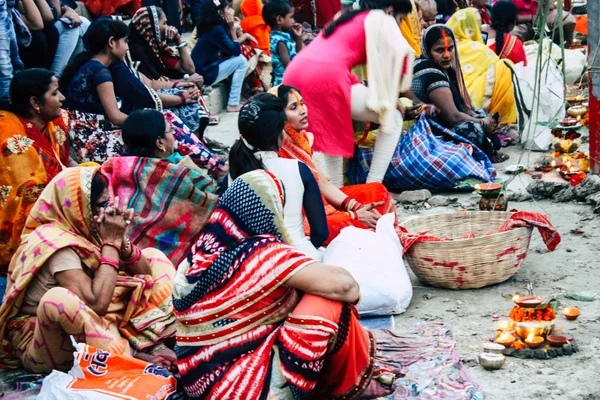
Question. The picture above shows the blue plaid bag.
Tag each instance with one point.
(424, 161)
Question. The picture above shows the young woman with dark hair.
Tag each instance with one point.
(335, 96)
(102, 90)
(35, 149)
(500, 40)
(261, 123)
(356, 205)
(217, 54)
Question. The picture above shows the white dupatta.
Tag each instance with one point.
(390, 62)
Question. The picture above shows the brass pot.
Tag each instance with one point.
(543, 329)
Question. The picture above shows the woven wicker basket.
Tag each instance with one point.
(467, 263)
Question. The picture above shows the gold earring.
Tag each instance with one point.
(37, 109)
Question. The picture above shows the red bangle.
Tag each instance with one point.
(114, 246)
(182, 97)
(135, 258)
(109, 261)
(175, 84)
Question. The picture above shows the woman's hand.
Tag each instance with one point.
(230, 21)
(489, 124)
(191, 95)
(247, 36)
(197, 80)
(111, 223)
(286, 308)
(368, 215)
(70, 14)
(171, 33)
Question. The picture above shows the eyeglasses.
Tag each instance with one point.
(104, 204)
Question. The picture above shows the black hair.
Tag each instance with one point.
(96, 40)
(283, 92)
(435, 34)
(210, 16)
(26, 84)
(261, 123)
(274, 9)
(99, 184)
(399, 7)
(140, 131)
(504, 15)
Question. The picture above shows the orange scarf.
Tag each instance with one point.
(298, 146)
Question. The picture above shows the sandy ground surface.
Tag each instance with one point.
(571, 268)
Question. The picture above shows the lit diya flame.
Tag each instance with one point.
(530, 337)
(516, 296)
(552, 164)
(505, 339)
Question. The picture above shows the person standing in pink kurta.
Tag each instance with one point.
(322, 72)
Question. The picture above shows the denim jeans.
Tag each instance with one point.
(235, 66)
(6, 68)
(70, 43)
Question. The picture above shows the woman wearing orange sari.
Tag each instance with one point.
(35, 148)
(356, 205)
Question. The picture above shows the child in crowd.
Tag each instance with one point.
(428, 13)
(279, 15)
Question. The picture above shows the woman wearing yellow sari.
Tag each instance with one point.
(487, 78)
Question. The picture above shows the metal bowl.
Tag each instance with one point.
(493, 348)
(543, 329)
(491, 361)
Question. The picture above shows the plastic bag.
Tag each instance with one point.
(100, 375)
(375, 261)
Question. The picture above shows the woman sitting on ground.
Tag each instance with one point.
(500, 40)
(76, 273)
(438, 80)
(488, 79)
(164, 188)
(217, 53)
(35, 149)
(356, 205)
(261, 123)
(258, 318)
(99, 98)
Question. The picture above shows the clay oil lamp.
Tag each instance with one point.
(568, 122)
(534, 341)
(571, 313)
(528, 301)
(556, 340)
(505, 339)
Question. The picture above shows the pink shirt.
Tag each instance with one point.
(526, 7)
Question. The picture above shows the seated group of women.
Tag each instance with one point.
(93, 249)
(250, 303)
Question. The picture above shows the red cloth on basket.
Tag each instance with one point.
(520, 219)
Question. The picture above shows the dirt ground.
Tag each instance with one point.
(572, 268)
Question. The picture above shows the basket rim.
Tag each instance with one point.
(462, 240)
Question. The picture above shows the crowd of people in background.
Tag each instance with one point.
(110, 189)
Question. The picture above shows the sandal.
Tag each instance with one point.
(213, 120)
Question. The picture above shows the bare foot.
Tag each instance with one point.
(233, 109)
